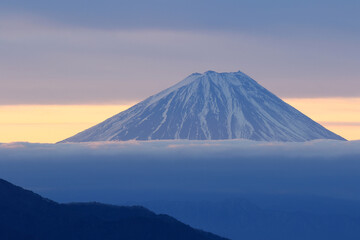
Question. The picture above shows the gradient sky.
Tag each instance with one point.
(77, 52)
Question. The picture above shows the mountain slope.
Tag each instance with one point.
(209, 106)
(26, 215)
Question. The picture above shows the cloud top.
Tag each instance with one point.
(127, 171)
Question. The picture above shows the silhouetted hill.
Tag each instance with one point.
(26, 215)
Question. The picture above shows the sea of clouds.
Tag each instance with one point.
(122, 172)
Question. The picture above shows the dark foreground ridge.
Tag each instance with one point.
(26, 215)
(209, 106)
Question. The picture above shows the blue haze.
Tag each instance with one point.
(235, 188)
(116, 172)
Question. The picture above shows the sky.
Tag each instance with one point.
(75, 56)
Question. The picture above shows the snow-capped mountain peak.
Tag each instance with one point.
(209, 106)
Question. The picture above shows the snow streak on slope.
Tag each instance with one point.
(209, 106)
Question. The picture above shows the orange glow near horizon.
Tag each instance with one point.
(340, 115)
(50, 123)
(53, 123)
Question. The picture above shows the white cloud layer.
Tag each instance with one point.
(134, 171)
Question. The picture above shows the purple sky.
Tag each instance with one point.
(74, 52)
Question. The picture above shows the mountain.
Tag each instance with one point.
(26, 215)
(209, 106)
